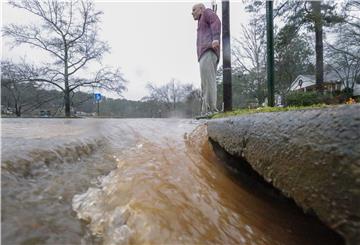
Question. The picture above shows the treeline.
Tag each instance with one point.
(170, 100)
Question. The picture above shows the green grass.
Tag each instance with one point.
(239, 112)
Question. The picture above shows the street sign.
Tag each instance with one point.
(97, 97)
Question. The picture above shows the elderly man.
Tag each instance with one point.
(208, 51)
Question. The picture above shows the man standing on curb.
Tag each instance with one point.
(208, 51)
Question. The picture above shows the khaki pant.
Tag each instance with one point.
(208, 63)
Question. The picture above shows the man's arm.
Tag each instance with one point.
(215, 25)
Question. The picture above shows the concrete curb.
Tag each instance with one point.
(312, 156)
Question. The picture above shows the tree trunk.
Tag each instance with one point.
(66, 80)
(67, 101)
(316, 6)
(17, 110)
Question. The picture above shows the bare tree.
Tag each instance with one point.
(169, 94)
(350, 31)
(12, 84)
(69, 33)
(193, 102)
(249, 55)
(23, 95)
(344, 53)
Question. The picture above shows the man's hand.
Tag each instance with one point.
(216, 45)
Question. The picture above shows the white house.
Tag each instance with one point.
(332, 82)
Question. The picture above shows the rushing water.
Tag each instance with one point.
(147, 181)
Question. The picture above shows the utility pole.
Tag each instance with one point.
(270, 52)
(98, 108)
(227, 92)
(97, 97)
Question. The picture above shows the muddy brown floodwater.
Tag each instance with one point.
(146, 181)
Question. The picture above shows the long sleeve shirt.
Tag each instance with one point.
(209, 29)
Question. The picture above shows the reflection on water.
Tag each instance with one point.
(134, 182)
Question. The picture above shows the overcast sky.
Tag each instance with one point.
(150, 41)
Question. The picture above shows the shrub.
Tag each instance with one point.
(344, 95)
(308, 98)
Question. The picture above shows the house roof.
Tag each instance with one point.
(310, 80)
(309, 77)
(329, 77)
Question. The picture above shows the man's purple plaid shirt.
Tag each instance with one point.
(209, 29)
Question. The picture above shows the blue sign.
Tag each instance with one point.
(97, 97)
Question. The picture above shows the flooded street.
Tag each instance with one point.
(135, 181)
